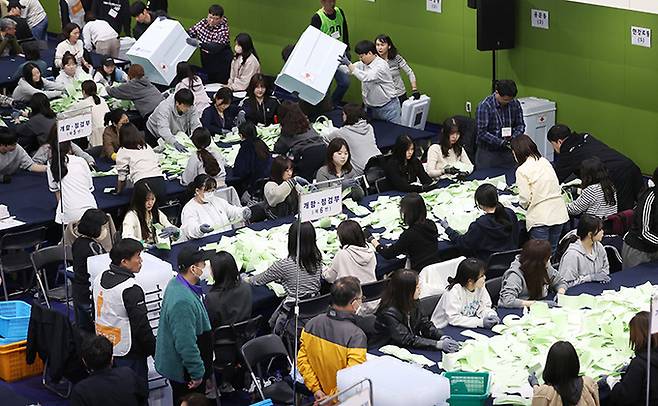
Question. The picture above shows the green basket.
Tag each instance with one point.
(468, 388)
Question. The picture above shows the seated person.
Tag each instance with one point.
(34, 132)
(360, 136)
(108, 74)
(338, 165)
(419, 241)
(599, 196)
(259, 107)
(281, 190)
(44, 153)
(245, 63)
(466, 301)
(203, 160)
(32, 55)
(71, 44)
(207, 213)
(139, 90)
(404, 171)
(13, 157)
(70, 73)
(641, 241)
(105, 385)
(186, 78)
(585, 259)
(448, 157)
(114, 120)
(173, 115)
(253, 161)
(214, 116)
(495, 231)
(399, 320)
(573, 148)
(140, 220)
(8, 42)
(530, 276)
(31, 82)
(296, 131)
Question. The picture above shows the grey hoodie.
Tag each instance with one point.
(361, 139)
(577, 266)
(141, 91)
(166, 122)
(515, 290)
(353, 260)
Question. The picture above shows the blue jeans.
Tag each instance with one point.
(342, 84)
(39, 31)
(390, 112)
(551, 234)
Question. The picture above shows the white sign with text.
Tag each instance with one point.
(323, 203)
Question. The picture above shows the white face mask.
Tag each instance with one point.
(207, 196)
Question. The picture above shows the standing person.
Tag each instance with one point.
(253, 161)
(71, 44)
(377, 87)
(214, 116)
(331, 20)
(99, 36)
(108, 74)
(140, 220)
(530, 276)
(400, 322)
(173, 115)
(499, 120)
(539, 192)
(449, 156)
(138, 162)
(641, 240)
(396, 63)
(8, 43)
(115, 12)
(337, 165)
(212, 36)
(13, 157)
(419, 241)
(23, 31)
(359, 134)
(585, 259)
(244, 65)
(114, 120)
(183, 350)
(31, 83)
(632, 389)
(495, 231)
(99, 109)
(562, 381)
(599, 196)
(573, 148)
(332, 341)
(121, 313)
(187, 78)
(144, 17)
(287, 273)
(139, 90)
(204, 160)
(404, 171)
(259, 107)
(34, 132)
(466, 301)
(36, 17)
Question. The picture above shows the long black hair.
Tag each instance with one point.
(185, 70)
(58, 155)
(141, 192)
(248, 131)
(27, 75)
(562, 371)
(486, 195)
(470, 269)
(399, 292)
(450, 126)
(225, 271)
(310, 256)
(413, 209)
(399, 152)
(334, 146)
(392, 50)
(592, 171)
(89, 88)
(39, 104)
(247, 44)
(201, 139)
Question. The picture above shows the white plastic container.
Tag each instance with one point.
(539, 117)
(396, 382)
(160, 49)
(311, 66)
(414, 112)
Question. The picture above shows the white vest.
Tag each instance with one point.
(111, 315)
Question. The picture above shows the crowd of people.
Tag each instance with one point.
(267, 184)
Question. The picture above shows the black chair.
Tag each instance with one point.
(499, 262)
(614, 259)
(427, 304)
(43, 259)
(375, 175)
(228, 340)
(263, 351)
(309, 308)
(309, 160)
(173, 213)
(374, 290)
(493, 286)
(15, 251)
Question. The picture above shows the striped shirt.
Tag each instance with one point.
(284, 271)
(592, 202)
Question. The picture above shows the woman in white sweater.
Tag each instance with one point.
(207, 213)
(188, 79)
(448, 157)
(466, 301)
(70, 72)
(245, 64)
(539, 192)
(31, 83)
(72, 45)
(204, 160)
(141, 220)
(281, 190)
(99, 109)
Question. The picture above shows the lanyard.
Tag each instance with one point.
(500, 118)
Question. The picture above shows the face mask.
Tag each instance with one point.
(207, 196)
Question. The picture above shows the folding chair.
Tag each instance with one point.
(614, 258)
(52, 256)
(499, 262)
(15, 251)
(374, 290)
(265, 350)
(494, 285)
(434, 278)
(427, 304)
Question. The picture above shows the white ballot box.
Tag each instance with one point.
(414, 112)
(539, 117)
(160, 49)
(311, 66)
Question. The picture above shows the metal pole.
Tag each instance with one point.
(296, 349)
(651, 310)
(61, 211)
(493, 70)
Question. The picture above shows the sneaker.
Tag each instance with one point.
(226, 387)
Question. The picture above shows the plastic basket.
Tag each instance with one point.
(13, 366)
(468, 388)
(14, 318)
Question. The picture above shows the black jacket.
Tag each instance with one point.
(631, 390)
(260, 113)
(83, 248)
(626, 176)
(485, 236)
(110, 386)
(23, 32)
(34, 133)
(402, 177)
(413, 331)
(419, 242)
(115, 12)
(143, 340)
(643, 233)
(229, 306)
(140, 28)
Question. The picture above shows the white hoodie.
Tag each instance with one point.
(460, 307)
(356, 261)
(361, 139)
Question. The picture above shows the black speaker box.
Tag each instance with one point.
(472, 3)
(496, 24)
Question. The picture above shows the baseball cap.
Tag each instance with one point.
(14, 3)
(189, 256)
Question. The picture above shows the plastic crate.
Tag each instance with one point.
(14, 318)
(468, 388)
(13, 366)
(11, 340)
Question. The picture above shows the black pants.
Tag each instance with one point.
(178, 390)
(158, 187)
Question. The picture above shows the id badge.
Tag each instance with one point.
(113, 13)
(507, 132)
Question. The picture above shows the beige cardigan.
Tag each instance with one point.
(540, 194)
(436, 162)
(546, 395)
(241, 74)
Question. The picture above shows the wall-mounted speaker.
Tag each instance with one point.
(472, 3)
(496, 24)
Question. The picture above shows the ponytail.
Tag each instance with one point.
(501, 217)
(249, 132)
(201, 140)
(89, 88)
